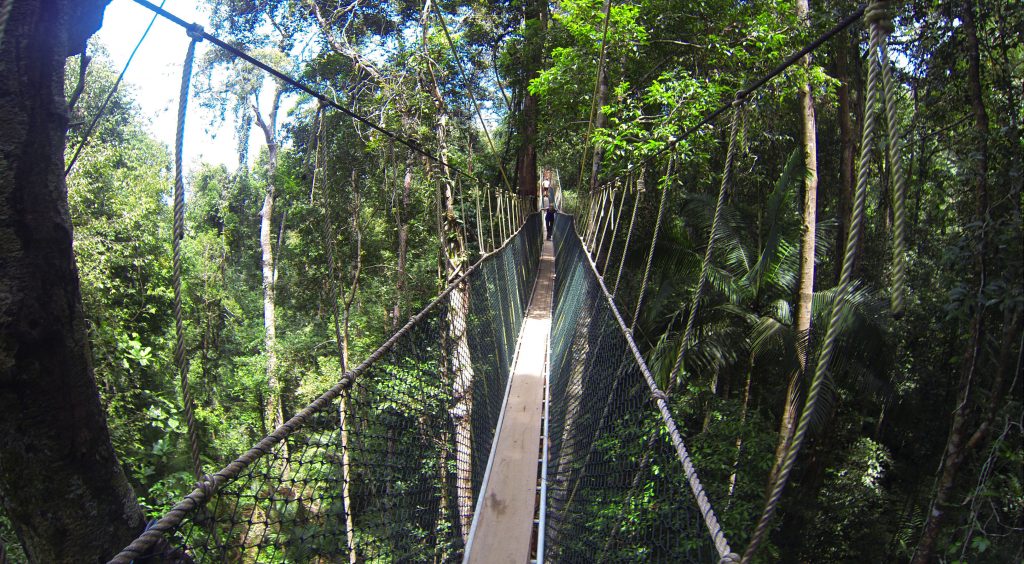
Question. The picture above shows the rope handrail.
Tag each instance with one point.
(710, 520)
(211, 483)
(198, 30)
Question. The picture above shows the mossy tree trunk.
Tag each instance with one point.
(62, 486)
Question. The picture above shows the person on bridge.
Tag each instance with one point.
(549, 218)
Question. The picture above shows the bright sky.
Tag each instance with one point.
(154, 78)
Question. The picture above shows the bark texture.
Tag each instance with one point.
(61, 484)
(805, 291)
(274, 411)
(961, 442)
(535, 16)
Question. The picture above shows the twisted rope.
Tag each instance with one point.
(845, 283)
(791, 60)
(180, 359)
(654, 241)
(595, 225)
(878, 13)
(714, 528)
(629, 233)
(608, 222)
(410, 143)
(472, 97)
(615, 226)
(702, 281)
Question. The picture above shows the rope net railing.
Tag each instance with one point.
(621, 486)
(388, 463)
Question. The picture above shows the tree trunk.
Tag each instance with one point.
(403, 239)
(847, 144)
(958, 446)
(459, 361)
(62, 486)
(805, 292)
(535, 24)
(600, 120)
(274, 412)
(341, 334)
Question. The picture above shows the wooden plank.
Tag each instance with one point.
(503, 523)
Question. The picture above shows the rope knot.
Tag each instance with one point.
(659, 395)
(731, 558)
(206, 485)
(196, 32)
(877, 13)
(739, 99)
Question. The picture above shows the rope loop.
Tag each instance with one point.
(196, 32)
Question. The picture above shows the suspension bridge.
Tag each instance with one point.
(512, 419)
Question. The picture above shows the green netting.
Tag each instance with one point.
(616, 489)
(387, 469)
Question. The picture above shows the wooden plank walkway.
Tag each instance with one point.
(503, 525)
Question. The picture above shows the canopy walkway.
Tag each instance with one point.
(369, 469)
(513, 418)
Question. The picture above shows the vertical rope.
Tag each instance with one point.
(654, 243)
(610, 222)
(702, 281)
(895, 145)
(629, 233)
(481, 247)
(490, 220)
(179, 233)
(616, 223)
(845, 278)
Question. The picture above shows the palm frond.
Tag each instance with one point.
(776, 203)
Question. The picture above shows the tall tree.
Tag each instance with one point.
(268, 125)
(61, 484)
(970, 425)
(805, 289)
(459, 361)
(535, 23)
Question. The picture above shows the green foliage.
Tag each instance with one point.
(862, 489)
